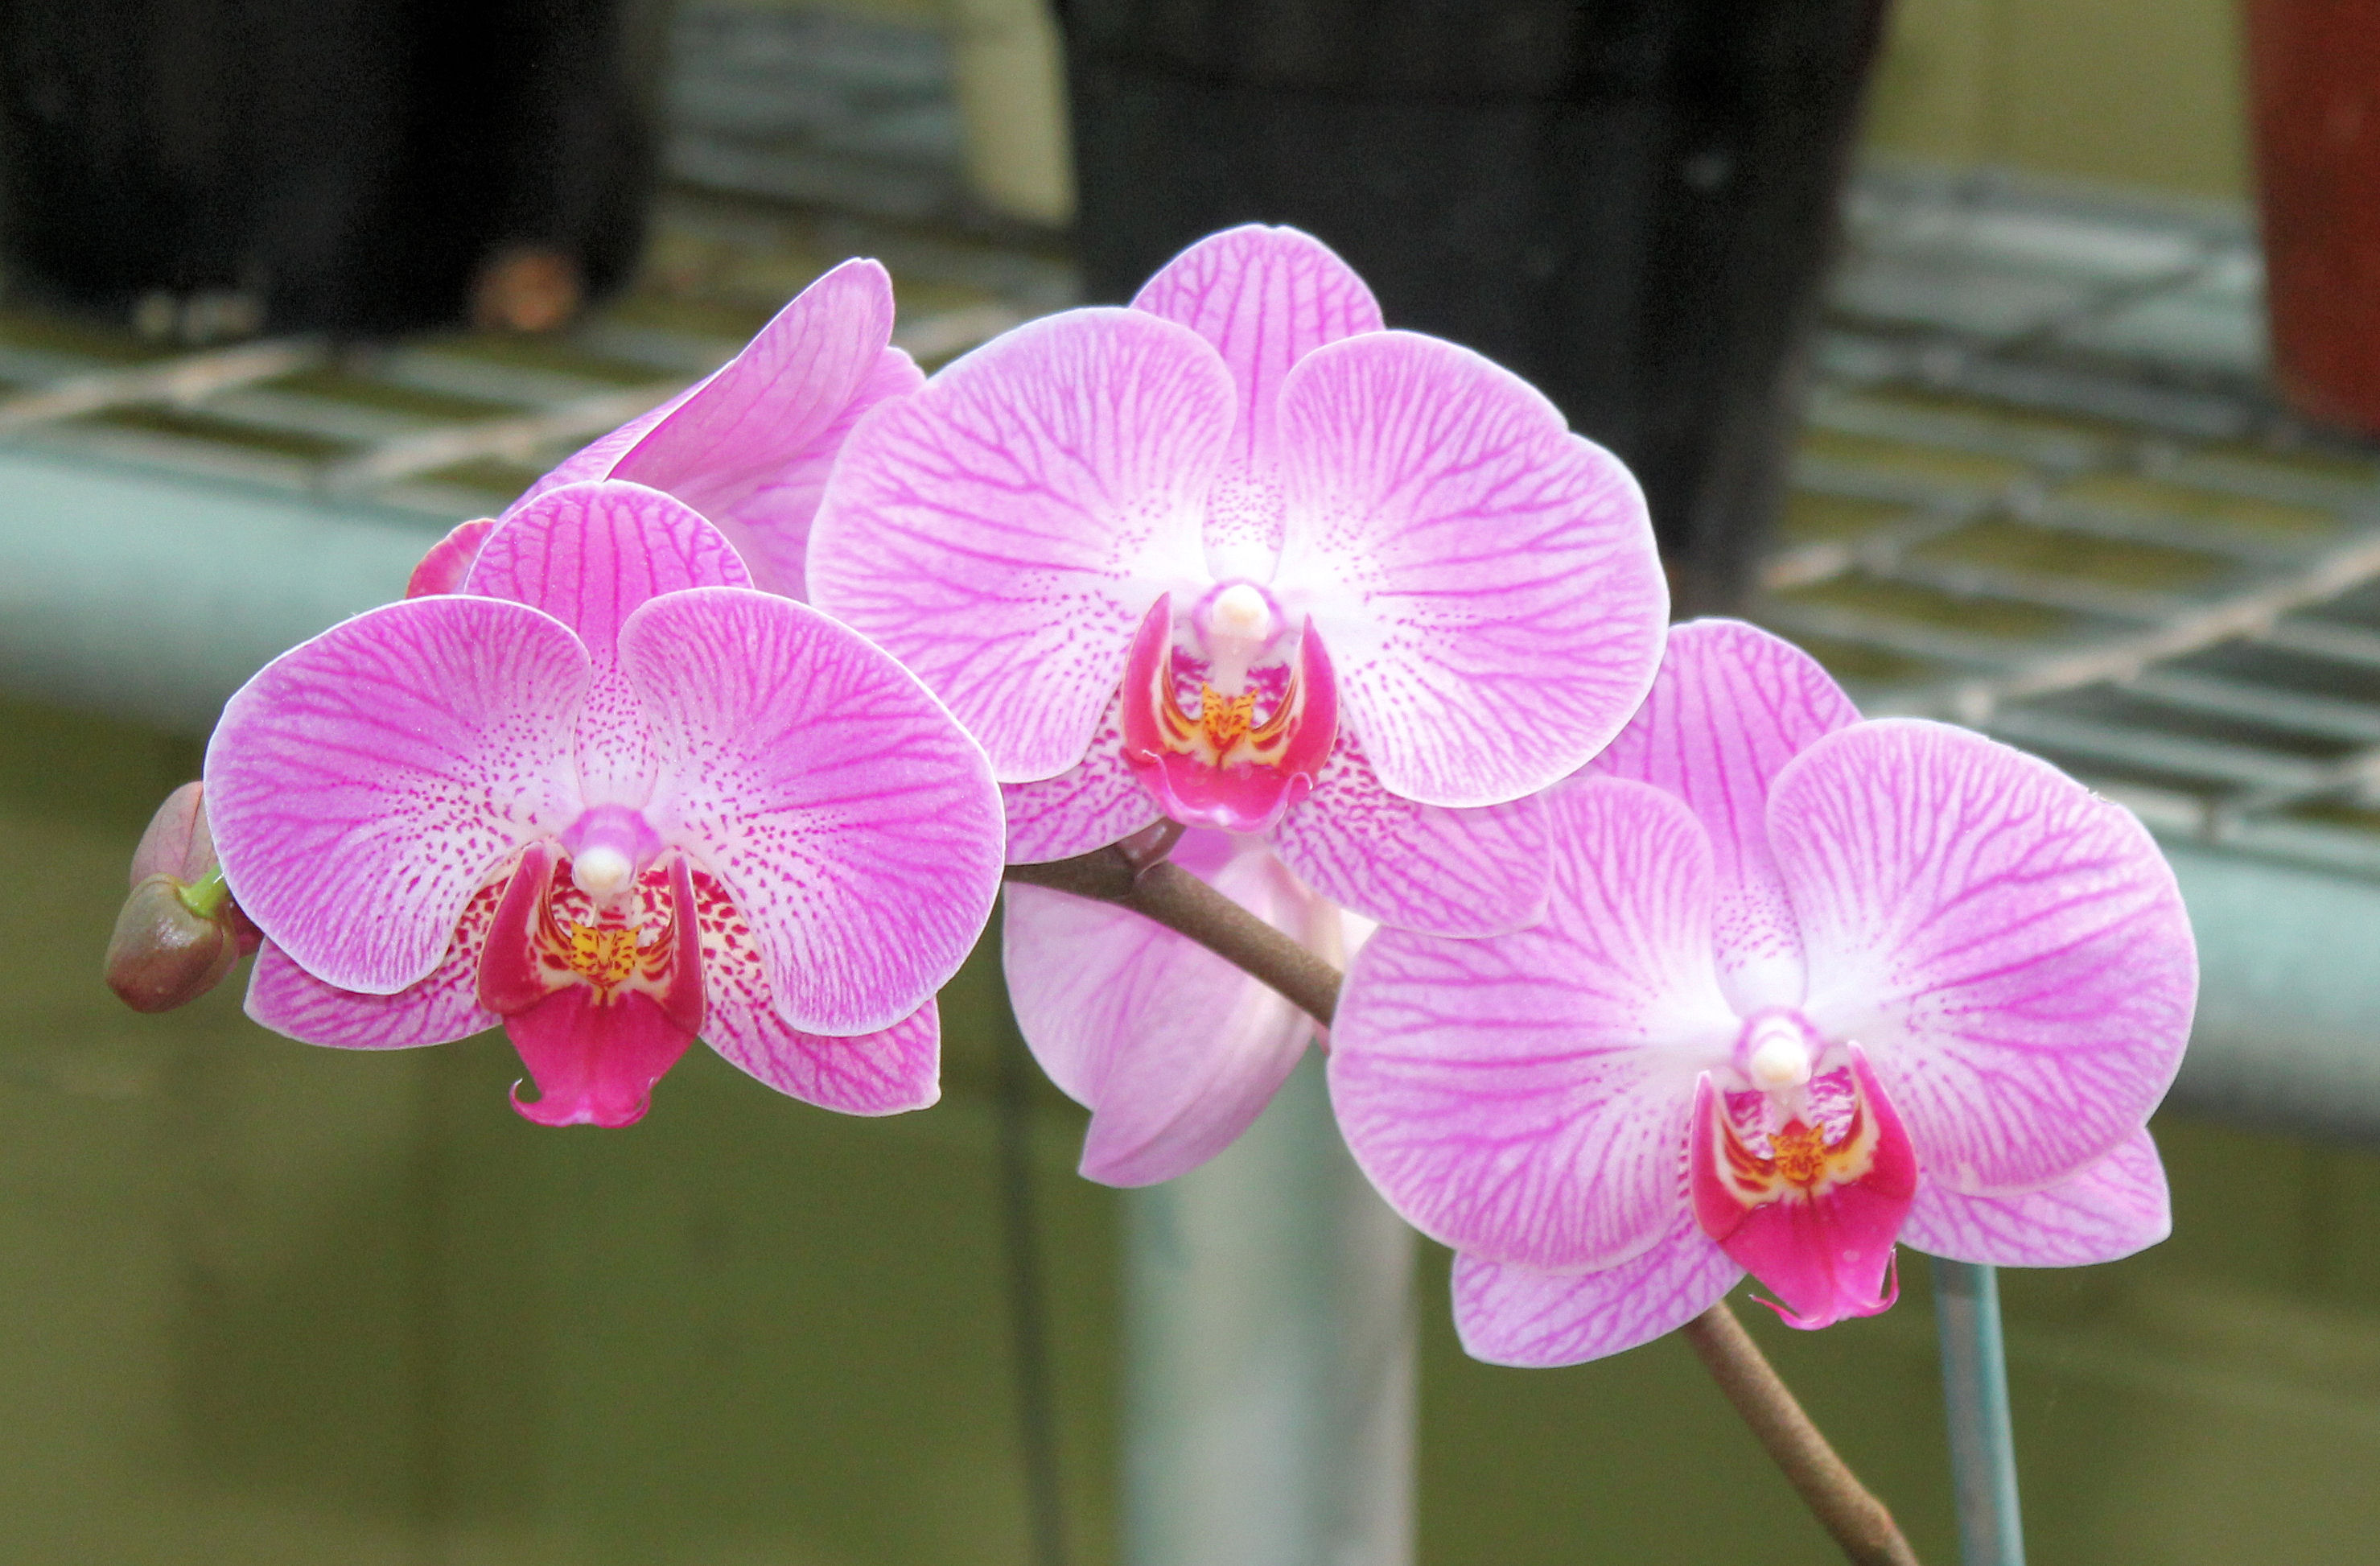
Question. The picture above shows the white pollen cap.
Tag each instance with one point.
(1779, 1057)
(1240, 611)
(602, 871)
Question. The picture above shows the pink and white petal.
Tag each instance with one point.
(442, 1008)
(597, 458)
(1265, 298)
(589, 553)
(1485, 580)
(888, 1071)
(1731, 705)
(364, 784)
(1480, 871)
(1526, 1098)
(449, 559)
(2111, 1210)
(855, 824)
(1095, 802)
(1174, 1050)
(1507, 1314)
(771, 403)
(2010, 949)
(770, 526)
(1003, 531)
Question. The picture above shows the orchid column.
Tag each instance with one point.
(1331, 604)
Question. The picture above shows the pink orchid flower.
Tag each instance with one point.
(1807, 985)
(750, 445)
(612, 797)
(1238, 558)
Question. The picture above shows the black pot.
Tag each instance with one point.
(1631, 202)
(343, 165)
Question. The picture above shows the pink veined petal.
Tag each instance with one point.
(1485, 580)
(2114, 1207)
(1525, 1098)
(449, 559)
(594, 1063)
(1480, 871)
(588, 554)
(1174, 1050)
(2010, 948)
(774, 402)
(293, 1002)
(1265, 298)
(855, 824)
(364, 784)
(1003, 531)
(597, 458)
(869, 1073)
(1095, 802)
(1731, 705)
(1507, 1314)
(770, 526)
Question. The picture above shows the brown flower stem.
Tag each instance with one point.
(1135, 876)
(1184, 903)
(1844, 1506)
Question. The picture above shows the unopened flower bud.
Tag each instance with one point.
(162, 952)
(179, 932)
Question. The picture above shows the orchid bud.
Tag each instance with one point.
(179, 932)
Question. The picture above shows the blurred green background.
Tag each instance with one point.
(265, 1303)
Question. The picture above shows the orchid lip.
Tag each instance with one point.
(1232, 766)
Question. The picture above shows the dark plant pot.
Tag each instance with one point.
(2313, 68)
(340, 165)
(1631, 202)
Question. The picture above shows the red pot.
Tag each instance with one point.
(2315, 83)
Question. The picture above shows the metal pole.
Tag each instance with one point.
(1975, 1392)
(1270, 1355)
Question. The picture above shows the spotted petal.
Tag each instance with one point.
(363, 785)
(853, 822)
(2114, 1207)
(1479, 871)
(1174, 1050)
(1096, 802)
(1732, 704)
(1003, 531)
(1484, 581)
(440, 1009)
(2010, 948)
(1525, 1098)
(1507, 1314)
(888, 1071)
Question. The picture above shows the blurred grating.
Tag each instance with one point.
(2045, 490)
(2044, 487)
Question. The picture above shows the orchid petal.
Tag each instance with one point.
(440, 1009)
(364, 784)
(854, 823)
(1095, 802)
(2010, 948)
(770, 525)
(1003, 531)
(1485, 580)
(775, 402)
(589, 553)
(594, 1061)
(1265, 298)
(1507, 1314)
(449, 559)
(1480, 871)
(1174, 1050)
(2114, 1207)
(1731, 706)
(1526, 1098)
